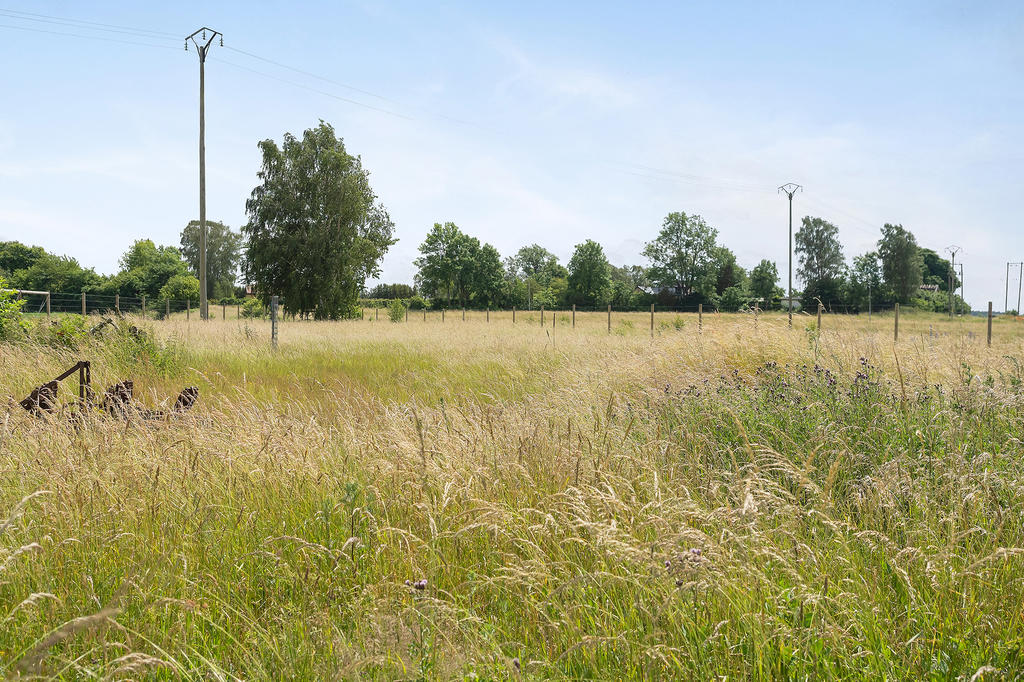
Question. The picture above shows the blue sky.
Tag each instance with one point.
(530, 121)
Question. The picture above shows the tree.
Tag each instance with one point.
(316, 231)
(682, 254)
(762, 282)
(16, 256)
(223, 254)
(488, 276)
(726, 271)
(821, 265)
(901, 261)
(145, 269)
(446, 262)
(537, 262)
(589, 277)
(820, 253)
(865, 279)
(937, 270)
(180, 288)
(391, 291)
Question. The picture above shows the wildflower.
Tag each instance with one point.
(515, 663)
(420, 584)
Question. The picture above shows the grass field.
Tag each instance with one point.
(480, 499)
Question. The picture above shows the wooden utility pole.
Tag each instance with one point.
(202, 47)
(273, 320)
(990, 323)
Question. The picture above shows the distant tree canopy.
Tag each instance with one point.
(762, 282)
(145, 269)
(682, 255)
(589, 275)
(316, 231)
(937, 271)
(223, 256)
(454, 266)
(821, 265)
(388, 291)
(902, 263)
(32, 267)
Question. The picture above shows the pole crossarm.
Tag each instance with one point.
(203, 44)
(790, 188)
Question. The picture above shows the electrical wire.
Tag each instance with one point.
(32, 16)
(87, 37)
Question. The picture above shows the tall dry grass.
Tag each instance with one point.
(746, 502)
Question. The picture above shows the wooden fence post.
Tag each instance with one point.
(513, 314)
(188, 309)
(376, 313)
(542, 316)
(896, 324)
(223, 311)
(47, 306)
(238, 311)
(488, 313)
(652, 320)
(273, 321)
(819, 315)
(700, 318)
(143, 305)
(83, 304)
(167, 309)
(552, 319)
(990, 323)
(609, 318)
(424, 313)
(117, 303)
(442, 315)
(573, 315)
(407, 314)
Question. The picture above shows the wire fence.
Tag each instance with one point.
(41, 303)
(85, 303)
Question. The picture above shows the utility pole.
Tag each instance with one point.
(789, 189)
(962, 286)
(202, 48)
(1021, 275)
(953, 250)
(1006, 296)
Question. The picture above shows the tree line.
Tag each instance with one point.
(686, 266)
(316, 232)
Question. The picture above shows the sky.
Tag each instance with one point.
(529, 121)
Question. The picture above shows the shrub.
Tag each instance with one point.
(68, 331)
(11, 320)
(396, 310)
(254, 308)
(417, 303)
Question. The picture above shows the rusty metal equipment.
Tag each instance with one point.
(118, 400)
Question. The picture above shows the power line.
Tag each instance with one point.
(311, 75)
(312, 89)
(28, 16)
(87, 37)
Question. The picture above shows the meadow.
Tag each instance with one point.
(483, 500)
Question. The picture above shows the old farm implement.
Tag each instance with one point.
(118, 400)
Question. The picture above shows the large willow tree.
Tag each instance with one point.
(316, 231)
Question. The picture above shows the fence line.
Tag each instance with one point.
(86, 303)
